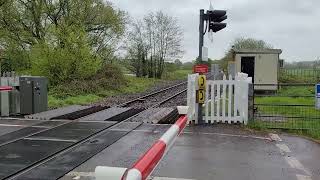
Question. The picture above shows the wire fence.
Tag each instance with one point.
(299, 75)
(290, 107)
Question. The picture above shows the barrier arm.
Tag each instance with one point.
(143, 168)
(6, 88)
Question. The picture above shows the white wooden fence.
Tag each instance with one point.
(226, 100)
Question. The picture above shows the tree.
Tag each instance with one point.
(243, 43)
(137, 51)
(159, 37)
(85, 31)
(178, 63)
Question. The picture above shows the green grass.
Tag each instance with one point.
(80, 100)
(299, 75)
(178, 74)
(133, 85)
(302, 126)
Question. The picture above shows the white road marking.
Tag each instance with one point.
(283, 148)
(294, 163)
(230, 135)
(303, 177)
(275, 137)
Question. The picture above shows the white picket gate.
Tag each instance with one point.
(226, 100)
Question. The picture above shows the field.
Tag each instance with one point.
(299, 75)
(291, 108)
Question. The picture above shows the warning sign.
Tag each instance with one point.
(202, 82)
(201, 96)
(201, 68)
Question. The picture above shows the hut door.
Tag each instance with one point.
(247, 66)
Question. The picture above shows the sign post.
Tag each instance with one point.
(318, 96)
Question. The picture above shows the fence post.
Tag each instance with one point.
(251, 102)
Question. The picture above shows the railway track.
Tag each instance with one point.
(82, 133)
(69, 142)
(156, 98)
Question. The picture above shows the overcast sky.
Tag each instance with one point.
(290, 25)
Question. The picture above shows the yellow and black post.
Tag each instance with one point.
(201, 96)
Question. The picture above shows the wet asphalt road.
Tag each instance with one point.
(205, 153)
(223, 152)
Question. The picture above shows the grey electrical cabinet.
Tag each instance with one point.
(33, 94)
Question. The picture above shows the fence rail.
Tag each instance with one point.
(299, 75)
(291, 107)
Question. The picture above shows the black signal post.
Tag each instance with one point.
(209, 21)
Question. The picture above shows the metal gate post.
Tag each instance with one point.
(251, 102)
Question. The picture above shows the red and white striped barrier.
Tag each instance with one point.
(142, 169)
(6, 88)
(147, 163)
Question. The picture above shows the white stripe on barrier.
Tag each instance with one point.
(134, 174)
(148, 162)
(169, 136)
(109, 173)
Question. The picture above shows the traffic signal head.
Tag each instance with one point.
(215, 18)
(215, 27)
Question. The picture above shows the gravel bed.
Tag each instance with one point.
(116, 100)
(180, 100)
(153, 100)
(156, 115)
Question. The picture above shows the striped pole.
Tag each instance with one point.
(6, 88)
(142, 169)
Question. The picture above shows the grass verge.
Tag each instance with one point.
(132, 85)
(86, 92)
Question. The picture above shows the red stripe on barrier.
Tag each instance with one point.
(181, 123)
(6, 88)
(150, 159)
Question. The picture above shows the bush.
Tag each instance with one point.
(110, 77)
(65, 59)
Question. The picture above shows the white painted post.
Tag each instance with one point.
(235, 97)
(218, 101)
(229, 98)
(207, 102)
(192, 108)
(224, 97)
(213, 102)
